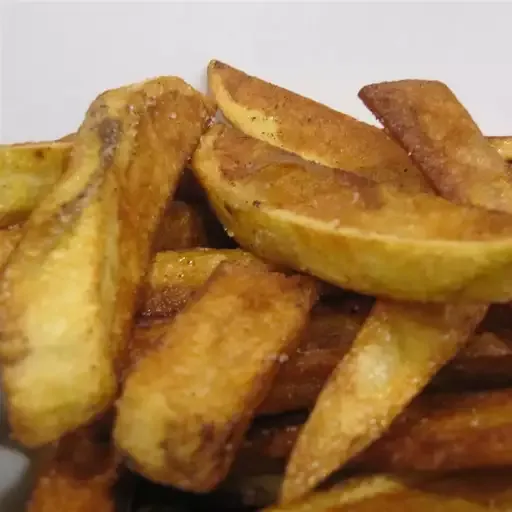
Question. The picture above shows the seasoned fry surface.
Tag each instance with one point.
(27, 173)
(398, 350)
(378, 234)
(221, 353)
(60, 342)
(428, 120)
(274, 115)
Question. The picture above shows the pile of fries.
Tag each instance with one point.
(289, 306)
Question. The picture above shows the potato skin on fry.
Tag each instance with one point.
(220, 354)
(428, 121)
(351, 232)
(69, 291)
(312, 130)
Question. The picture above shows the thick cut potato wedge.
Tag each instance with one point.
(399, 349)
(70, 287)
(351, 232)
(469, 492)
(485, 363)
(437, 432)
(78, 475)
(27, 173)
(427, 119)
(220, 354)
(312, 130)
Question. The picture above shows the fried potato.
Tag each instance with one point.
(221, 354)
(84, 252)
(329, 440)
(470, 492)
(27, 173)
(396, 353)
(78, 475)
(503, 145)
(176, 275)
(351, 232)
(428, 120)
(485, 363)
(312, 130)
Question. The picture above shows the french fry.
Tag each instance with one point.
(78, 475)
(84, 252)
(350, 232)
(329, 440)
(429, 122)
(27, 173)
(469, 492)
(437, 432)
(176, 275)
(312, 130)
(221, 353)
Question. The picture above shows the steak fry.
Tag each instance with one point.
(312, 130)
(430, 123)
(186, 406)
(369, 378)
(350, 232)
(69, 291)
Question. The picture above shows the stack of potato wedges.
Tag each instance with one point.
(288, 309)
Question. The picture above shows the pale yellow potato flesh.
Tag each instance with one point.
(350, 232)
(69, 290)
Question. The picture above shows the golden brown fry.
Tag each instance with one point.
(326, 340)
(78, 475)
(438, 431)
(485, 363)
(364, 394)
(312, 130)
(27, 173)
(426, 118)
(176, 275)
(396, 353)
(468, 492)
(351, 232)
(68, 294)
(220, 354)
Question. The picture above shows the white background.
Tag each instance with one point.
(57, 57)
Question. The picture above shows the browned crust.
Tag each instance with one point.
(437, 432)
(95, 230)
(430, 123)
(205, 358)
(310, 129)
